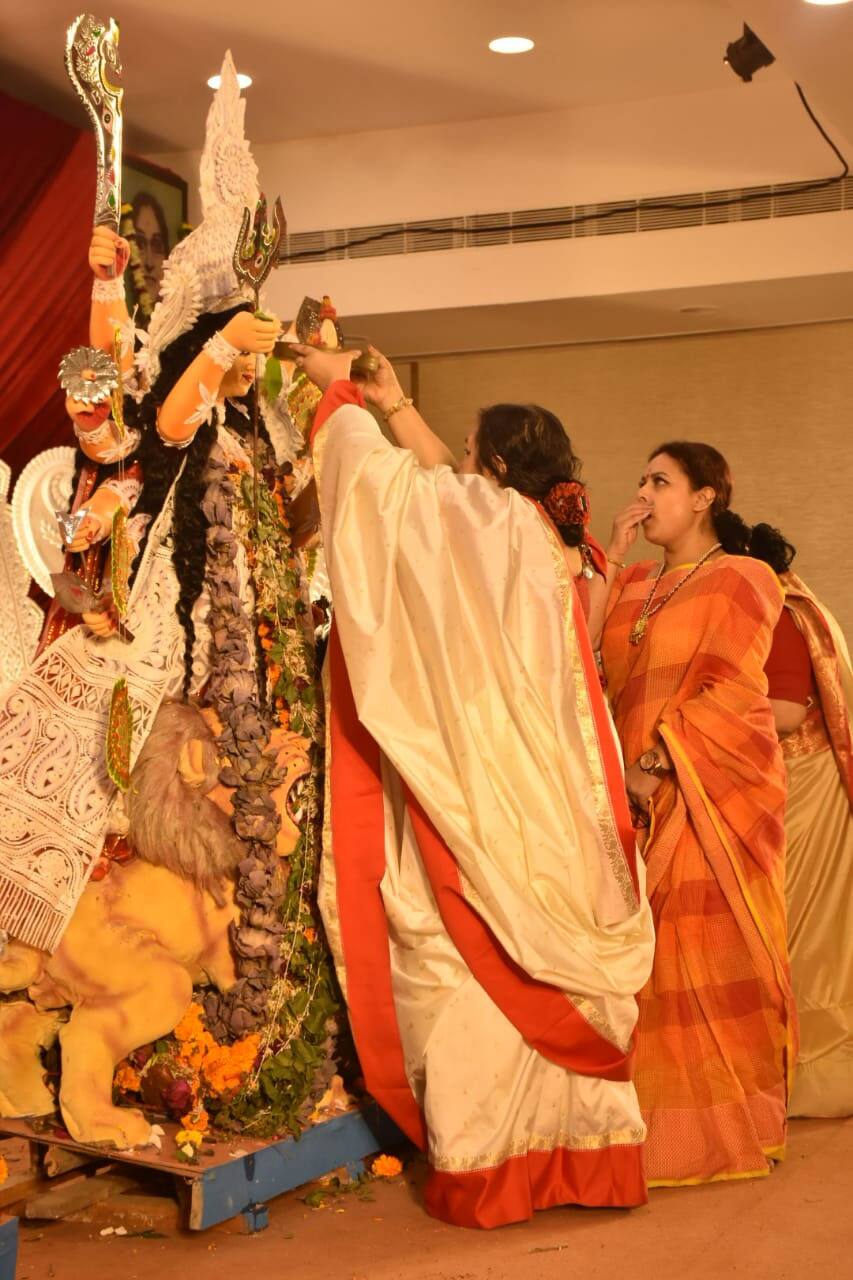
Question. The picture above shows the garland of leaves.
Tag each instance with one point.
(286, 988)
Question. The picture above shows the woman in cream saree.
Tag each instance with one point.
(811, 690)
(480, 888)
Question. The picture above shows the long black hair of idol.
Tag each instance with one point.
(161, 465)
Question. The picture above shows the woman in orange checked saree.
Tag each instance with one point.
(480, 888)
(683, 649)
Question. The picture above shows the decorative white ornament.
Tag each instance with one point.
(126, 489)
(43, 487)
(20, 619)
(108, 290)
(221, 351)
(198, 275)
(206, 407)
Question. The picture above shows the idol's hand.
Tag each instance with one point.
(247, 332)
(382, 387)
(101, 622)
(92, 529)
(324, 367)
(108, 253)
(626, 526)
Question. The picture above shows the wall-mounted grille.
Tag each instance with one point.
(617, 218)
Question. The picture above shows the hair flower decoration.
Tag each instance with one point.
(567, 503)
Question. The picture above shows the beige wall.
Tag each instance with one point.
(776, 402)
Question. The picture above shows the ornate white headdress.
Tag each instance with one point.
(198, 275)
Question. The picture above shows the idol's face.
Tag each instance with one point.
(675, 509)
(239, 378)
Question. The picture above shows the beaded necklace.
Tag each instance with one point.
(647, 612)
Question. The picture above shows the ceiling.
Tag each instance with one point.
(378, 64)
(754, 304)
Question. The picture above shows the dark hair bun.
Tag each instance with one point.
(769, 545)
(732, 531)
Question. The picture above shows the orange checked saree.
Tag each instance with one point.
(717, 1025)
(480, 887)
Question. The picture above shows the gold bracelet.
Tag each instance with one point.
(620, 564)
(403, 403)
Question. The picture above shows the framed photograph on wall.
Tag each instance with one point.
(154, 219)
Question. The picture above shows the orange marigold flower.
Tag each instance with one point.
(311, 934)
(127, 1077)
(266, 644)
(197, 1120)
(386, 1167)
(190, 1025)
(263, 628)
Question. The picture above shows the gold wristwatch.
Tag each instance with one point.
(650, 762)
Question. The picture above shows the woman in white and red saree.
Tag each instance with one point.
(480, 887)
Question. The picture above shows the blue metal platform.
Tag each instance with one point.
(8, 1247)
(241, 1180)
(245, 1184)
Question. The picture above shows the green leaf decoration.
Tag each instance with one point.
(273, 379)
(120, 557)
(119, 735)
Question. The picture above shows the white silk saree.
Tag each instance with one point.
(480, 887)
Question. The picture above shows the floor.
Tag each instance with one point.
(795, 1224)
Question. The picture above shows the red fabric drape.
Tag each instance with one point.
(47, 192)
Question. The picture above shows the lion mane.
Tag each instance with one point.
(173, 824)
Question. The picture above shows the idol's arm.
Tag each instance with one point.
(108, 256)
(102, 506)
(191, 400)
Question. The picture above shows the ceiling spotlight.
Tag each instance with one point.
(243, 81)
(511, 44)
(747, 55)
(827, 1)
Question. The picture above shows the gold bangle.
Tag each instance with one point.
(403, 403)
(620, 564)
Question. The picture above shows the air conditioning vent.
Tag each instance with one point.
(617, 218)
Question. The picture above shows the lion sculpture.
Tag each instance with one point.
(139, 940)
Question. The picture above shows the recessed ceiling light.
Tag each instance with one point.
(511, 44)
(243, 81)
(827, 1)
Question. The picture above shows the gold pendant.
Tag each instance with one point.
(638, 630)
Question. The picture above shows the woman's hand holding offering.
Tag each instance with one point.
(381, 387)
(324, 367)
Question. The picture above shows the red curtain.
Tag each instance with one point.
(47, 193)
